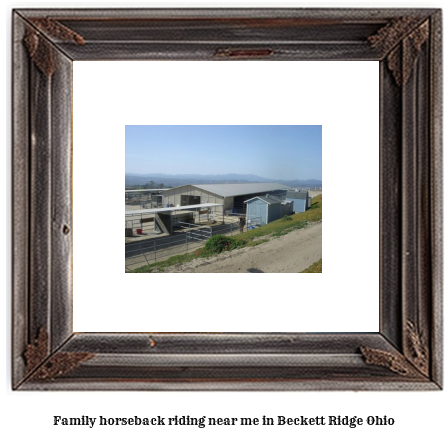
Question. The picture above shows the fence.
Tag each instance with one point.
(194, 237)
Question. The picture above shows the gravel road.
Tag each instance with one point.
(291, 253)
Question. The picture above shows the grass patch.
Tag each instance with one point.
(160, 266)
(284, 231)
(315, 268)
(256, 242)
(219, 243)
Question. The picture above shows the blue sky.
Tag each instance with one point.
(276, 151)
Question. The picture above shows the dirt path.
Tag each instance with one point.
(293, 252)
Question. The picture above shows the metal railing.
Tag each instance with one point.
(145, 224)
(195, 232)
(155, 250)
(192, 238)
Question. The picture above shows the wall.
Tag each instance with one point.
(298, 205)
(257, 208)
(173, 196)
(274, 212)
(285, 209)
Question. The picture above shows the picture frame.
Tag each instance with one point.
(406, 353)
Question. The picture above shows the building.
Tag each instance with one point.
(231, 196)
(190, 203)
(264, 209)
(146, 198)
(301, 200)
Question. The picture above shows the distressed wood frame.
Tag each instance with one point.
(406, 354)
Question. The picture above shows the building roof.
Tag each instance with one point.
(169, 209)
(239, 189)
(300, 194)
(269, 199)
(145, 190)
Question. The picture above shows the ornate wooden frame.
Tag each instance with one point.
(406, 354)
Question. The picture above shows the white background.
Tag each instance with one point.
(416, 414)
(110, 95)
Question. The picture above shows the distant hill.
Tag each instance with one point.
(132, 179)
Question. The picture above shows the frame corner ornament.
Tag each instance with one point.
(417, 351)
(37, 351)
(40, 49)
(41, 366)
(401, 40)
(395, 362)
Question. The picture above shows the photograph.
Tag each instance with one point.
(226, 199)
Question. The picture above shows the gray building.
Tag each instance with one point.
(231, 196)
(300, 199)
(264, 209)
(147, 198)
